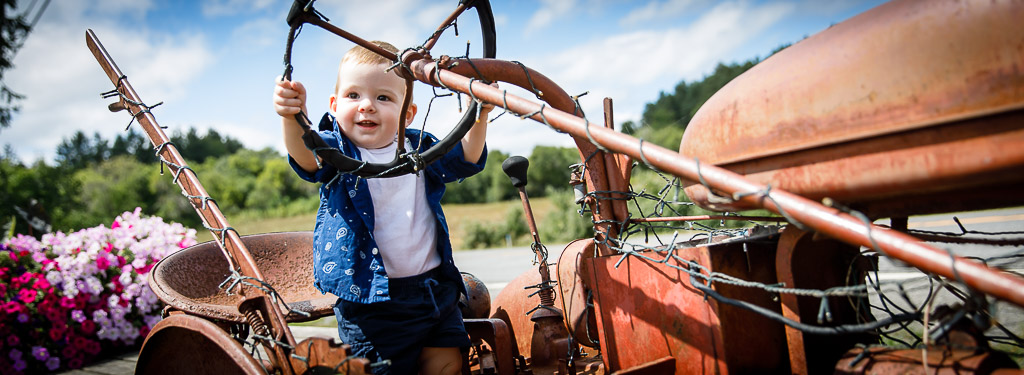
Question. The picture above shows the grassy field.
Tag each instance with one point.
(458, 215)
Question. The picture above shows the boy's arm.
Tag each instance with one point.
(474, 140)
(289, 99)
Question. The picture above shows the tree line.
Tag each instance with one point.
(95, 179)
(664, 120)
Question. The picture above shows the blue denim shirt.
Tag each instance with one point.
(346, 259)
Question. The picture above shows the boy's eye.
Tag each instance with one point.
(383, 98)
(352, 95)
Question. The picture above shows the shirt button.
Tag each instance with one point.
(375, 251)
(351, 193)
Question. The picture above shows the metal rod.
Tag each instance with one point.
(833, 222)
(704, 217)
(239, 257)
(444, 25)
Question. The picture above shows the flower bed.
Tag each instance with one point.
(71, 297)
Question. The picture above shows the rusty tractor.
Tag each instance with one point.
(910, 108)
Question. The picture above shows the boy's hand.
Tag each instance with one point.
(289, 97)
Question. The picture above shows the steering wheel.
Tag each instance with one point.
(302, 12)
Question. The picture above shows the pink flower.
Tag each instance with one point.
(143, 270)
(41, 284)
(109, 247)
(102, 262)
(75, 363)
(115, 225)
(68, 303)
(27, 295)
(12, 307)
(144, 331)
(121, 261)
(13, 340)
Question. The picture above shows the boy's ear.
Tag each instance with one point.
(333, 103)
(410, 114)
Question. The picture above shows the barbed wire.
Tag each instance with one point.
(893, 315)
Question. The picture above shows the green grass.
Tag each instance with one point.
(458, 216)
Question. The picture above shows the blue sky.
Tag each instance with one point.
(213, 63)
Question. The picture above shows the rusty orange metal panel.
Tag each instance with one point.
(897, 100)
(647, 311)
(903, 65)
(190, 280)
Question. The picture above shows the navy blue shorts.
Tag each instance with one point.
(423, 312)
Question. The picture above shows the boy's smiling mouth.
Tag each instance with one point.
(366, 124)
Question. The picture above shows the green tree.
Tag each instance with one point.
(549, 169)
(490, 185)
(112, 187)
(133, 144)
(79, 151)
(41, 194)
(13, 31)
(210, 145)
(664, 121)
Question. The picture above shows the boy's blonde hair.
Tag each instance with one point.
(362, 55)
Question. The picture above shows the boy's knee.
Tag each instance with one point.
(441, 361)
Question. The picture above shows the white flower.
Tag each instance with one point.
(78, 315)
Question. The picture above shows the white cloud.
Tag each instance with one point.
(632, 68)
(61, 79)
(549, 11)
(215, 8)
(658, 10)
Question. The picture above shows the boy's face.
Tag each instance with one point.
(368, 103)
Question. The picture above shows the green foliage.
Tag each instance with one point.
(564, 223)
(38, 192)
(116, 185)
(489, 235)
(210, 145)
(549, 169)
(665, 120)
(490, 185)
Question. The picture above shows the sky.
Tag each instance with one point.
(213, 63)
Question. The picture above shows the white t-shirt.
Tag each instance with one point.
(404, 226)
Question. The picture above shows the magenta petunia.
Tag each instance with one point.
(27, 295)
(102, 263)
(67, 303)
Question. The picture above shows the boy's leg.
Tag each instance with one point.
(440, 361)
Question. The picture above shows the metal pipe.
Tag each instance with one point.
(840, 225)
